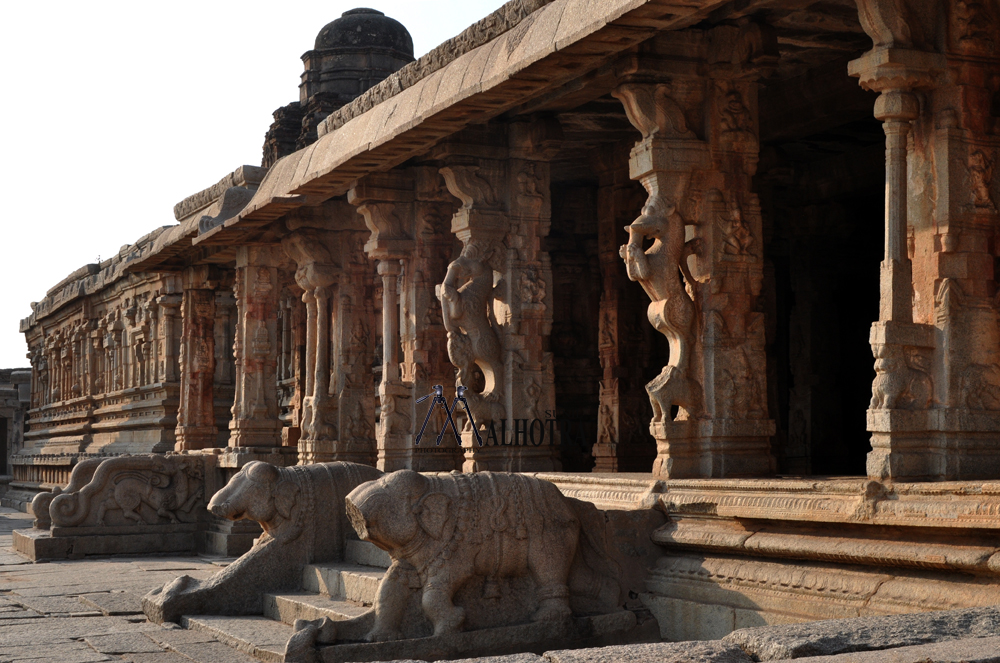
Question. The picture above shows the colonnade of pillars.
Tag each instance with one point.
(461, 289)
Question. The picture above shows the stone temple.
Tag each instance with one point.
(718, 277)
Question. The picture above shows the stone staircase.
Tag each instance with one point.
(338, 590)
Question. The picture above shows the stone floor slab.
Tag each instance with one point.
(42, 631)
(63, 652)
(165, 657)
(841, 636)
(972, 650)
(123, 643)
(212, 652)
(54, 605)
(114, 603)
(657, 652)
(169, 638)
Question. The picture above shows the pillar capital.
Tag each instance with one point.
(882, 69)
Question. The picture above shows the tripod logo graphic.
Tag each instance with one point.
(439, 400)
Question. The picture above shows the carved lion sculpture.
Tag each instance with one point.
(472, 551)
(301, 510)
(897, 384)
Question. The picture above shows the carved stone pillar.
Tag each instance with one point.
(704, 268)
(255, 421)
(423, 336)
(935, 409)
(196, 413)
(318, 261)
(386, 203)
(335, 404)
(170, 306)
(495, 298)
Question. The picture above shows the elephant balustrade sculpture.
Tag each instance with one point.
(145, 490)
(473, 551)
(301, 510)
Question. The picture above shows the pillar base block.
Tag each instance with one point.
(944, 444)
(237, 457)
(331, 451)
(507, 458)
(713, 448)
(192, 438)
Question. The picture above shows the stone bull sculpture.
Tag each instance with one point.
(473, 551)
(301, 510)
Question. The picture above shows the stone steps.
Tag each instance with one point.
(352, 582)
(256, 636)
(286, 608)
(338, 590)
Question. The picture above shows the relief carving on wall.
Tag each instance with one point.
(902, 379)
(737, 238)
(981, 179)
(146, 490)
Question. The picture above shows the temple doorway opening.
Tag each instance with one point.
(823, 196)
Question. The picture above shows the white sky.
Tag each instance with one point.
(113, 112)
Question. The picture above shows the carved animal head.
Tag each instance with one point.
(394, 510)
(261, 493)
(653, 219)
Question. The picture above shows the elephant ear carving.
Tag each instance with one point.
(284, 497)
(432, 512)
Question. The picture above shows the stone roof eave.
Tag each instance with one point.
(564, 39)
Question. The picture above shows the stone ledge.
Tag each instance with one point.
(973, 650)
(827, 638)
(593, 631)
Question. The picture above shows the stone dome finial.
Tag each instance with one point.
(368, 29)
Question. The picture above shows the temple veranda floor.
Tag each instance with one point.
(88, 610)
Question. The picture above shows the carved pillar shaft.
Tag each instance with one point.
(196, 414)
(896, 109)
(322, 258)
(309, 299)
(386, 204)
(321, 372)
(170, 305)
(702, 271)
(255, 410)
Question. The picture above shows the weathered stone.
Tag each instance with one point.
(826, 638)
(660, 652)
(122, 643)
(212, 652)
(301, 511)
(117, 603)
(973, 650)
(585, 632)
(165, 657)
(56, 652)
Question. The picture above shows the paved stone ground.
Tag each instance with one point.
(88, 610)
